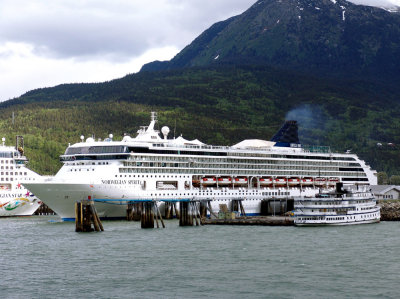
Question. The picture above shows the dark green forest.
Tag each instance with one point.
(220, 106)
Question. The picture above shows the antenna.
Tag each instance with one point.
(174, 128)
(153, 116)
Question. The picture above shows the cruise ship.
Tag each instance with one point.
(15, 199)
(152, 166)
(343, 206)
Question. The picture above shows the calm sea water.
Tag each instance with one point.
(43, 258)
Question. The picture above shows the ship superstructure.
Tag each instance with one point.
(15, 199)
(153, 167)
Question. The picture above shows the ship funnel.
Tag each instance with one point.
(287, 135)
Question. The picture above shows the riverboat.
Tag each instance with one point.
(343, 206)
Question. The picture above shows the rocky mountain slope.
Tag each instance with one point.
(327, 37)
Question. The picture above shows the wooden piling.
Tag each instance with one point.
(159, 215)
(210, 209)
(156, 214)
(129, 212)
(168, 210)
(147, 220)
(177, 213)
(85, 216)
(203, 209)
(194, 212)
(96, 217)
(186, 216)
(242, 211)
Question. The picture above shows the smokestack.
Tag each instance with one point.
(287, 134)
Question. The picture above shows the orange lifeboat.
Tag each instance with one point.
(266, 181)
(319, 181)
(209, 181)
(293, 181)
(223, 181)
(307, 181)
(240, 181)
(280, 181)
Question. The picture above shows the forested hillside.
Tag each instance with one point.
(216, 105)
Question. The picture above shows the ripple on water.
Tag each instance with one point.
(48, 259)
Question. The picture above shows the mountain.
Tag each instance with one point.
(333, 66)
(324, 37)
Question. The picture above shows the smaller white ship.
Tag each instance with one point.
(344, 206)
(15, 199)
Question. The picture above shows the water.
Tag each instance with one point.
(47, 259)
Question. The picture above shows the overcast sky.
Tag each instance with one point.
(48, 42)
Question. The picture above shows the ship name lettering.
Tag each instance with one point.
(120, 182)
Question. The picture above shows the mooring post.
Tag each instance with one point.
(177, 213)
(186, 218)
(129, 212)
(78, 216)
(203, 209)
(85, 216)
(197, 211)
(168, 210)
(147, 220)
(96, 218)
(157, 212)
(242, 209)
(194, 212)
(137, 211)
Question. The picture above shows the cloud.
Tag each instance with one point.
(378, 3)
(119, 29)
(44, 43)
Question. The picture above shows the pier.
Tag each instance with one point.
(196, 212)
(254, 220)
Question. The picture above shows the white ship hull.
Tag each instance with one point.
(17, 204)
(332, 223)
(111, 200)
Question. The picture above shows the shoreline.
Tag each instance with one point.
(390, 210)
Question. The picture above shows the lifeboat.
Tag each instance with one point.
(333, 181)
(293, 181)
(318, 181)
(266, 181)
(280, 181)
(307, 181)
(240, 181)
(209, 181)
(224, 181)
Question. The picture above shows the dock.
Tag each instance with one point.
(254, 220)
